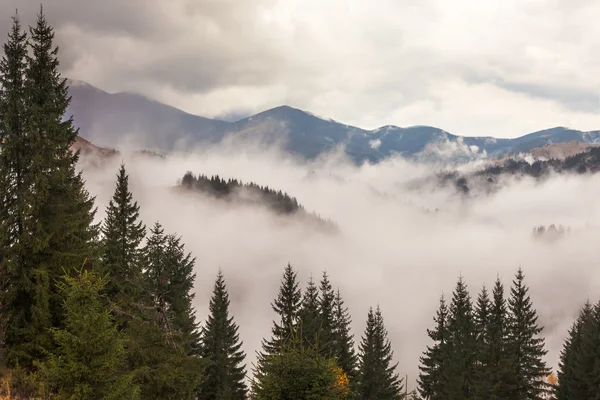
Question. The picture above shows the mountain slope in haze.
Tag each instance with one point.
(126, 119)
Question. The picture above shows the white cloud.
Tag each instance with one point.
(390, 251)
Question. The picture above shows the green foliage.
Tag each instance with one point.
(221, 346)
(377, 379)
(326, 304)
(122, 235)
(459, 370)
(52, 214)
(525, 345)
(286, 305)
(89, 360)
(309, 315)
(345, 354)
(579, 366)
(161, 367)
(297, 373)
(433, 362)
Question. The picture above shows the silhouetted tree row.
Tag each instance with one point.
(252, 193)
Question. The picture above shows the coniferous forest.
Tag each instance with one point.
(105, 311)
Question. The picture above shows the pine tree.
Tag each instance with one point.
(378, 379)
(497, 355)
(89, 361)
(299, 373)
(482, 385)
(572, 383)
(309, 316)
(433, 362)
(459, 372)
(221, 345)
(58, 229)
(121, 252)
(345, 354)
(162, 339)
(326, 317)
(286, 305)
(180, 294)
(14, 162)
(525, 345)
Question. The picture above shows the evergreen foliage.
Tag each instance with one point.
(461, 345)
(299, 373)
(221, 346)
(310, 317)
(579, 367)
(378, 379)
(122, 257)
(89, 360)
(525, 345)
(53, 211)
(286, 306)
(326, 302)
(345, 353)
(431, 382)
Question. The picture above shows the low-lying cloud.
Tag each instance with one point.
(393, 250)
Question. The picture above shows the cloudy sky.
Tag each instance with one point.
(471, 67)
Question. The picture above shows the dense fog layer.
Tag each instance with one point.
(393, 248)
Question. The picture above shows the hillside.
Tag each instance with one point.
(130, 120)
(235, 191)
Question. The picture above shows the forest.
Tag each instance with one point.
(106, 310)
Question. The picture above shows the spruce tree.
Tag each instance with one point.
(459, 372)
(482, 383)
(309, 316)
(378, 379)
(122, 235)
(525, 345)
(286, 306)
(221, 346)
(345, 354)
(180, 294)
(89, 360)
(573, 376)
(434, 360)
(496, 353)
(58, 230)
(15, 282)
(326, 317)
(299, 373)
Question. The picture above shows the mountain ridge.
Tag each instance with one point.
(128, 119)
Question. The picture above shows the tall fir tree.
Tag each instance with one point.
(499, 371)
(58, 229)
(327, 317)
(525, 344)
(433, 361)
(482, 385)
(459, 372)
(221, 346)
(180, 294)
(345, 353)
(90, 360)
(15, 287)
(122, 257)
(310, 321)
(574, 375)
(378, 379)
(286, 306)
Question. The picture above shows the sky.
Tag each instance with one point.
(390, 251)
(502, 68)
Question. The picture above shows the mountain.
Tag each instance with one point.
(127, 119)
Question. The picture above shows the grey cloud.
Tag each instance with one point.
(395, 62)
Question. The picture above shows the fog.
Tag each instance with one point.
(390, 249)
